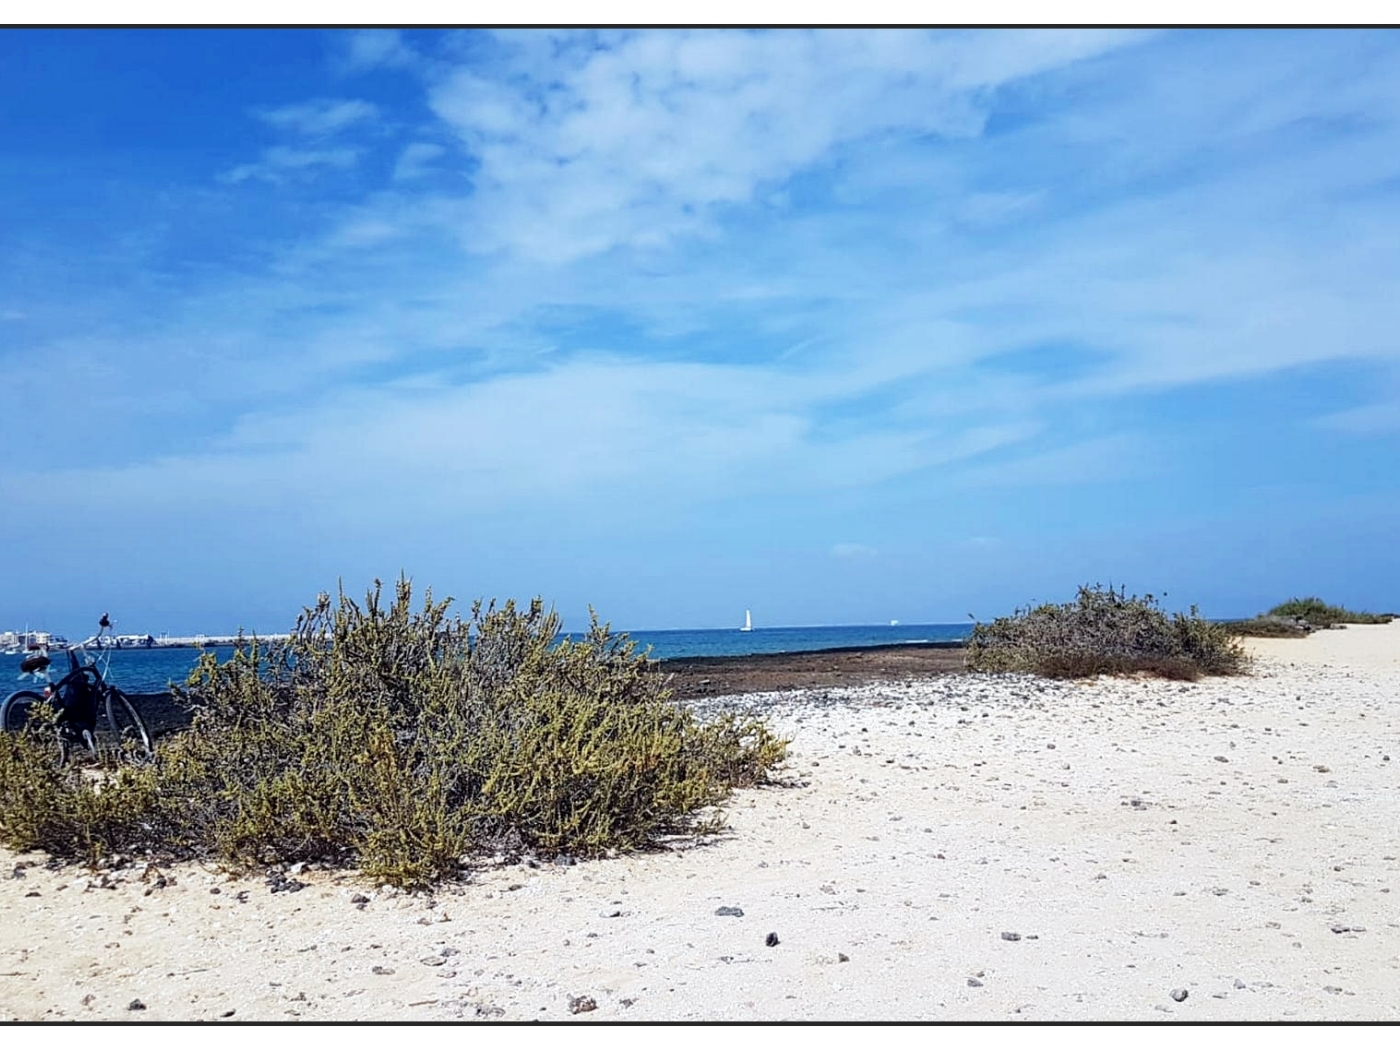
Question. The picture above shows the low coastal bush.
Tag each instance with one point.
(402, 743)
(1316, 612)
(1299, 617)
(1105, 632)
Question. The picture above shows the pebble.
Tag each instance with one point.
(842, 957)
(610, 913)
(1180, 994)
(136, 1004)
(432, 960)
(973, 982)
(1010, 936)
(771, 940)
(582, 1004)
(383, 971)
(726, 910)
(1239, 983)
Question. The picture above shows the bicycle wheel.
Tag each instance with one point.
(126, 732)
(14, 717)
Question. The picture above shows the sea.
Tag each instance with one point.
(153, 670)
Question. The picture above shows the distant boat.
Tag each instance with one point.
(894, 623)
(748, 621)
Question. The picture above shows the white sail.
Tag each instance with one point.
(748, 621)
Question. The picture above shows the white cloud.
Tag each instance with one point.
(1382, 418)
(369, 49)
(647, 137)
(280, 162)
(416, 160)
(320, 118)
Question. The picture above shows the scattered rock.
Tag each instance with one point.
(136, 1004)
(359, 900)
(726, 910)
(1221, 758)
(771, 940)
(1006, 936)
(1239, 983)
(973, 982)
(432, 960)
(610, 913)
(383, 971)
(228, 1013)
(582, 1004)
(1180, 994)
(842, 957)
(279, 883)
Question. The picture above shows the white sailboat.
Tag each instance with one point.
(748, 621)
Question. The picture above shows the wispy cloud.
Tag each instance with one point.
(320, 118)
(279, 163)
(587, 144)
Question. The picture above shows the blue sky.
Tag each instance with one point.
(840, 327)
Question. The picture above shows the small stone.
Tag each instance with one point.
(771, 940)
(582, 1004)
(1239, 983)
(842, 957)
(432, 960)
(726, 910)
(1339, 928)
(610, 913)
(1006, 936)
(1221, 758)
(383, 971)
(1180, 994)
(228, 1013)
(136, 1004)
(973, 982)
(359, 898)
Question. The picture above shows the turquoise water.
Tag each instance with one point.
(152, 670)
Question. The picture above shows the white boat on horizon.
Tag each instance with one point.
(748, 621)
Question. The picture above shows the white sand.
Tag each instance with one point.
(1139, 836)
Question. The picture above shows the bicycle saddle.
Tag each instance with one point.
(37, 662)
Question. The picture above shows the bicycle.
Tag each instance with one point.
(76, 699)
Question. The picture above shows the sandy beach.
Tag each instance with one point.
(954, 847)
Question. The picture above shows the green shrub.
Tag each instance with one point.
(1104, 632)
(1317, 613)
(1269, 627)
(401, 742)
